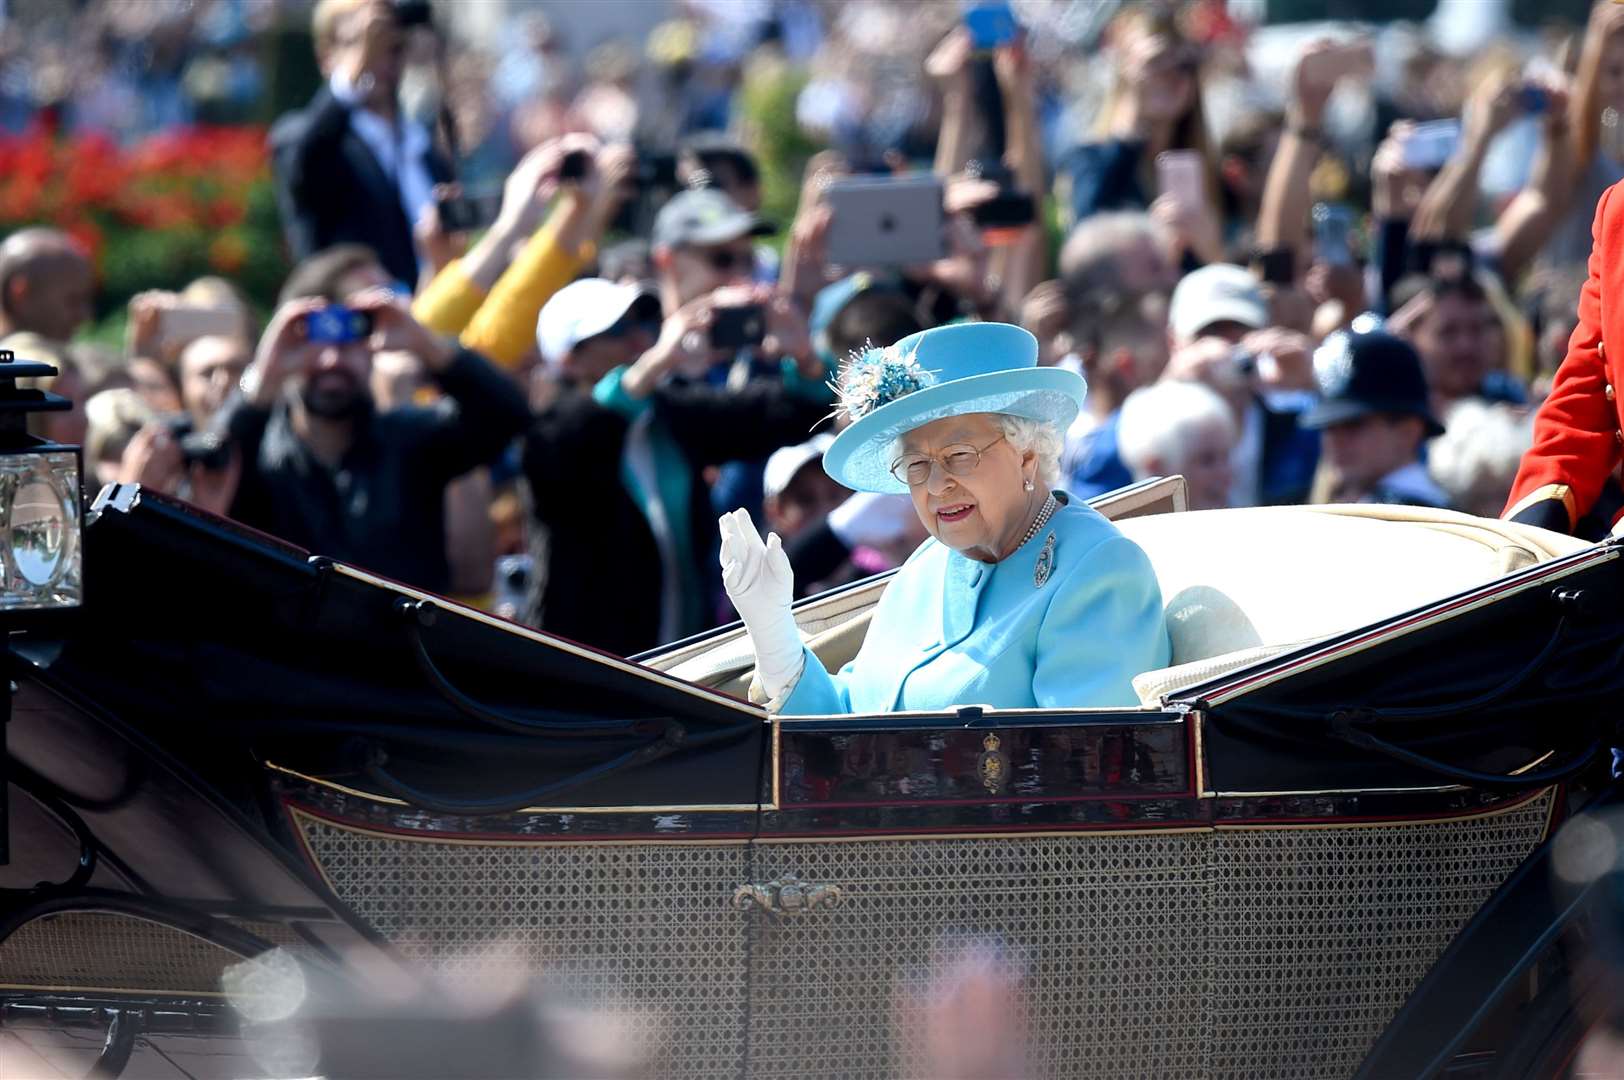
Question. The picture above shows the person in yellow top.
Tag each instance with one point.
(490, 298)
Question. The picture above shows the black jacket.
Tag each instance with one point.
(330, 188)
(383, 508)
(599, 573)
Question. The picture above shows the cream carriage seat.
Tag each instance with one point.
(1238, 585)
(1241, 585)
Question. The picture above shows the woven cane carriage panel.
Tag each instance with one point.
(1104, 932)
(1319, 934)
(645, 927)
(94, 950)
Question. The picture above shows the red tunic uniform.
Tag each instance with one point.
(1577, 436)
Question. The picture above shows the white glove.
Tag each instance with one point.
(871, 519)
(761, 585)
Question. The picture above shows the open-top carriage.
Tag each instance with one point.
(1320, 846)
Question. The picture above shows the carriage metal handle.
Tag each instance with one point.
(787, 896)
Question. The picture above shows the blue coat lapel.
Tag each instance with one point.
(962, 585)
(955, 593)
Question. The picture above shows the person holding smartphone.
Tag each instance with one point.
(1154, 107)
(623, 532)
(324, 469)
(352, 166)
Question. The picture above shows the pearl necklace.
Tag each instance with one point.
(1040, 521)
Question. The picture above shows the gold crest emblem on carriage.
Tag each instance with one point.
(993, 764)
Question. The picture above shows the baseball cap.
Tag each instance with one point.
(1365, 372)
(704, 217)
(832, 299)
(1218, 292)
(580, 310)
(787, 461)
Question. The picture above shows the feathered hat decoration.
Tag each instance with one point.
(876, 377)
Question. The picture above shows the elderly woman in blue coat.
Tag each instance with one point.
(1021, 598)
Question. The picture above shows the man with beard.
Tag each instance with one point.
(323, 469)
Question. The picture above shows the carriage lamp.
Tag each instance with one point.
(41, 511)
(40, 503)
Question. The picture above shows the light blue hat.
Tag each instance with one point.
(946, 371)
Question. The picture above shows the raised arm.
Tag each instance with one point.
(1021, 265)
(484, 410)
(1283, 217)
(1450, 202)
(949, 64)
(449, 300)
(1534, 212)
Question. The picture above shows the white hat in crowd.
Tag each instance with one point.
(1218, 292)
(787, 461)
(580, 310)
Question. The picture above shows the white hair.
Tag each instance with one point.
(1038, 436)
(1157, 421)
(1475, 460)
(1023, 434)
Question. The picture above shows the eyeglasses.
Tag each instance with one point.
(960, 459)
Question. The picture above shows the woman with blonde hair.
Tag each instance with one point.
(1153, 107)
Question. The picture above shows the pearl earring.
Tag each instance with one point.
(1029, 485)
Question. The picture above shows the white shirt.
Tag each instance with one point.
(400, 150)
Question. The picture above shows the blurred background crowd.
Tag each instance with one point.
(509, 299)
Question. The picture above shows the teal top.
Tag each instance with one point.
(660, 481)
(952, 631)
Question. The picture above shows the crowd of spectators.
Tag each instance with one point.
(1293, 267)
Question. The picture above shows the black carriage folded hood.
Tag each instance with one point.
(231, 649)
(1519, 677)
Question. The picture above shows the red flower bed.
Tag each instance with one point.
(178, 204)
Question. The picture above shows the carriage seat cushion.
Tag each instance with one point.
(1236, 580)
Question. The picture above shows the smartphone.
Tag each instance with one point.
(1534, 98)
(337, 325)
(1179, 174)
(738, 327)
(184, 324)
(575, 165)
(1332, 224)
(1006, 210)
(1429, 145)
(885, 220)
(1276, 267)
(464, 213)
(990, 25)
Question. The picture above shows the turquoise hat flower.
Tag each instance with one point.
(946, 371)
(878, 377)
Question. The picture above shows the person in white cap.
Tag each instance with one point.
(623, 532)
(592, 326)
(796, 495)
(831, 534)
(1220, 334)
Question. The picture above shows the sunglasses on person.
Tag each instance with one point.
(625, 325)
(728, 260)
(959, 459)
